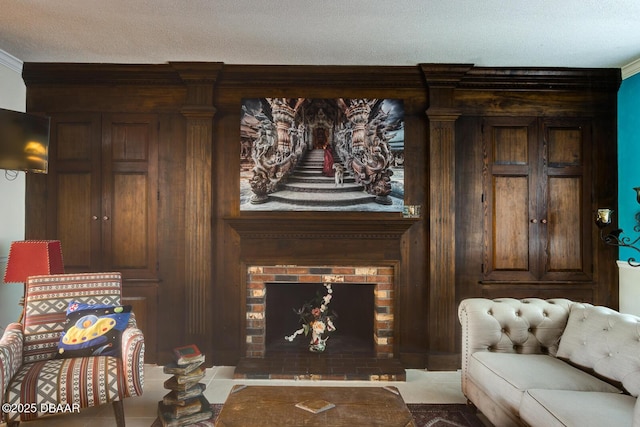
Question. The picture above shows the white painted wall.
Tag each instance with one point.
(13, 95)
(629, 288)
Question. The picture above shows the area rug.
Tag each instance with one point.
(424, 415)
(444, 415)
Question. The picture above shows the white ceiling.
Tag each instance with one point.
(557, 33)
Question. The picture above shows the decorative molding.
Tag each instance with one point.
(445, 75)
(10, 61)
(466, 76)
(442, 245)
(306, 228)
(198, 209)
(631, 69)
(100, 74)
(545, 78)
(339, 77)
(198, 111)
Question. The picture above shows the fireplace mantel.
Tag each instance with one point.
(279, 226)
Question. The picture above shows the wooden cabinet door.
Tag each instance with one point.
(510, 176)
(130, 194)
(535, 198)
(564, 208)
(74, 190)
(103, 192)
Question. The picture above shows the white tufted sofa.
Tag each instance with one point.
(535, 362)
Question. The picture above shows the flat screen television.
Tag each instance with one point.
(24, 141)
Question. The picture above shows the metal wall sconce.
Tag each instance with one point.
(614, 238)
(411, 211)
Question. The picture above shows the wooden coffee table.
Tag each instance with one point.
(347, 406)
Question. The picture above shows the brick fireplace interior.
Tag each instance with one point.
(361, 347)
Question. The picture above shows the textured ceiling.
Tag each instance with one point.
(574, 33)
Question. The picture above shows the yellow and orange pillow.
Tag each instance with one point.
(93, 330)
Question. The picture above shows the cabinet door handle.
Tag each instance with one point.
(94, 217)
(534, 221)
(544, 221)
(105, 218)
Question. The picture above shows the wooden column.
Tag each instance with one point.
(198, 111)
(441, 82)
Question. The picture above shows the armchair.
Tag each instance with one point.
(35, 383)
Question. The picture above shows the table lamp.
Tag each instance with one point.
(32, 258)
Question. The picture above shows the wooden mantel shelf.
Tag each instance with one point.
(277, 225)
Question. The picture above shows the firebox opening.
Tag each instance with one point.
(353, 303)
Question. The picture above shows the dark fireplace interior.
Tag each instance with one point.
(353, 304)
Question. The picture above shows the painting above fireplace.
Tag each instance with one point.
(322, 154)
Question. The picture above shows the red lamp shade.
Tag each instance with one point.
(33, 258)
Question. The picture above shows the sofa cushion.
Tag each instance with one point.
(552, 408)
(506, 376)
(605, 341)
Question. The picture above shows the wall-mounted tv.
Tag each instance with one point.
(24, 141)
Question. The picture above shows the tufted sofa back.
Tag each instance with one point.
(605, 341)
(509, 325)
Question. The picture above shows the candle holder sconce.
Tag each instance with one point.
(615, 238)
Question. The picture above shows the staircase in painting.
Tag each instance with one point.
(307, 186)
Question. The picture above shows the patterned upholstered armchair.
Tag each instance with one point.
(36, 381)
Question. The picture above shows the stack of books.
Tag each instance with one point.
(185, 404)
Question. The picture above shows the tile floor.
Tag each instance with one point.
(420, 387)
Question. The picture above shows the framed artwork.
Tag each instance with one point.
(342, 154)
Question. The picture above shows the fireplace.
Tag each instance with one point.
(364, 351)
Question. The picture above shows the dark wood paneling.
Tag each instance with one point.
(119, 155)
(575, 108)
(439, 256)
(321, 238)
(604, 184)
(171, 219)
(129, 195)
(143, 298)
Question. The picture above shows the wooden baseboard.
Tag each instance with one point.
(413, 360)
(443, 361)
